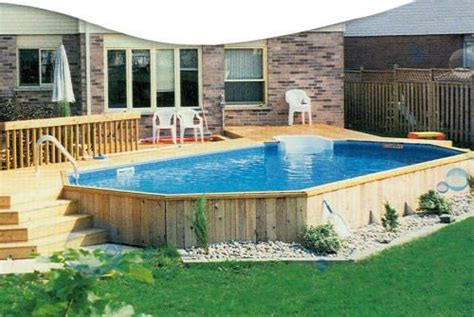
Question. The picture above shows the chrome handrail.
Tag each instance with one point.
(63, 150)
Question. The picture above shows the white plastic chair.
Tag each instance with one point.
(187, 120)
(164, 119)
(298, 101)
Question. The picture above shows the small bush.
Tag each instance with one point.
(201, 226)
(470, 181)
(166, 256)
(321, 239)
(433, 203)
(390, 219)
(13, 109)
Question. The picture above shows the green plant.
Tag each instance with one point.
(72, 289)
(390, 219)
(470, 181)
(321, 239)
(434, 203)
(201, 225)
(63, 109)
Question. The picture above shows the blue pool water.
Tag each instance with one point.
(262, 168)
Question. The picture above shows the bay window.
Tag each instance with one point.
(244, 76)
(152, 78)
(35, 67)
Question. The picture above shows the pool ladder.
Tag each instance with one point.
(50, 138)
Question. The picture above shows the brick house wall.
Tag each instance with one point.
(35, 95)
(383, 52)
(312, 61)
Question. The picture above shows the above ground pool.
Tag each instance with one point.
(288, 163)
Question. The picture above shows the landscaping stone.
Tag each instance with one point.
(360, 240)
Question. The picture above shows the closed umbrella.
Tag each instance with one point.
(63, 93)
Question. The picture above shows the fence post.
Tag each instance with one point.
(395, 109)
(432, 111)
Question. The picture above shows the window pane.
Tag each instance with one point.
(469, 54)
(165, 78)
(189, 59)
(189, 89)
(243, 64)
(244, 92)
(47, 66)
(141, 78)
(29, 67)
(189, 78)
(117, 79)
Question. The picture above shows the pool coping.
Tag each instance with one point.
(307, 192)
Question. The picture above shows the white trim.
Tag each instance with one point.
(88, 70)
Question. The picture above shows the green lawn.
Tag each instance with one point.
(433, 276)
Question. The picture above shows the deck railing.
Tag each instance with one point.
(82, 136)
(395, 102)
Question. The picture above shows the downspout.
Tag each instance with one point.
(222, 106)
(88, 70)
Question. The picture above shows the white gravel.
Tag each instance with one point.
(369, 237)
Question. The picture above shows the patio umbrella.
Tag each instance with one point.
(62, 86)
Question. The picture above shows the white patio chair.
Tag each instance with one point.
(164, 119)
(187, 120)
(298, 101)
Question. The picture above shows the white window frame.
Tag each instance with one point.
(265, 77)
(41, 84)
(177, 80)
(471, 42)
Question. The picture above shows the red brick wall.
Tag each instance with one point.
(382, 52)
(213, 71)
(40, 97)
(7, 65)
(97, 73)
(310, 61)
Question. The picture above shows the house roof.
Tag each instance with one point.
(420, 17)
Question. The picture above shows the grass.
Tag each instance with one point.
(433, 276)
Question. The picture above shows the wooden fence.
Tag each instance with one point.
(81, 136)
(398, 101)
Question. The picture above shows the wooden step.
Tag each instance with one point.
(45, 227)
(24, 213)
(5, 202)
(47, 245)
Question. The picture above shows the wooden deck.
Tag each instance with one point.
(264, 133)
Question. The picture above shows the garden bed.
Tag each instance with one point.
(361, 242)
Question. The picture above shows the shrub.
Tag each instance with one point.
(72, 290)
(390, 219)
(470, 181)
(433, 203)
(321, 239)
(63, 109)
(201, 226)
(13, 109)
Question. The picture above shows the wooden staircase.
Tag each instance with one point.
(44, 226)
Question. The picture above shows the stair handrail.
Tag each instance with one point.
(50, 138)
